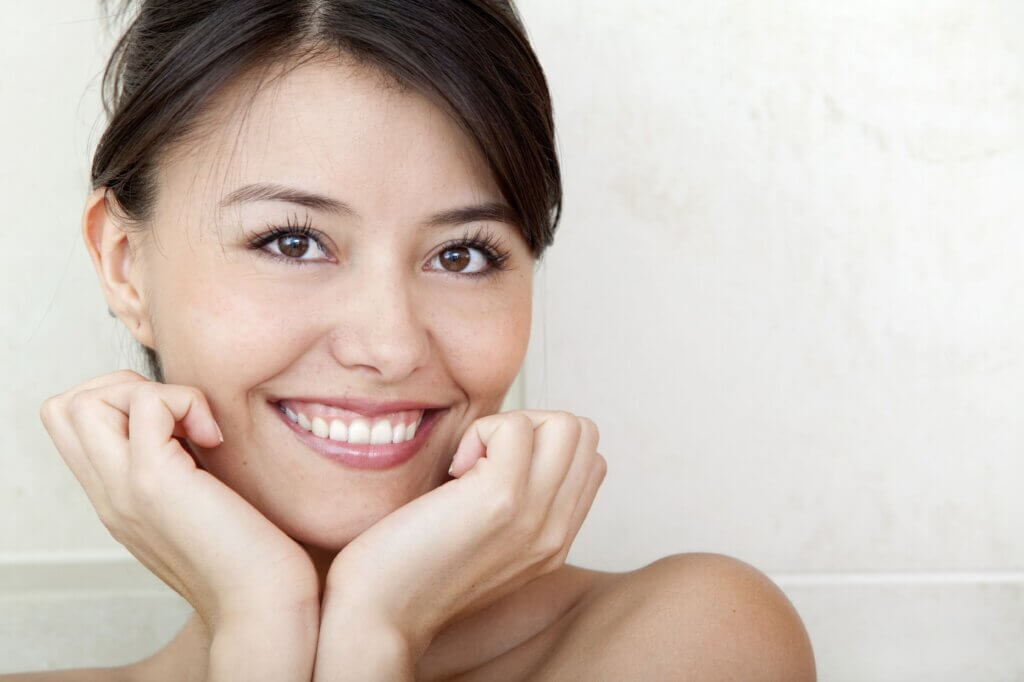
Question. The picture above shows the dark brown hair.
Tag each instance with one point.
(471, 57)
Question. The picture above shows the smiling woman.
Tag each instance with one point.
(321, 220)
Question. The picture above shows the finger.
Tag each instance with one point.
(59, 426)
(118, 377)
(505, 439)
(585, 501)
(558, 444)
(472, 445)
(89, 434)
(150, 423)
(102, 433)
(186, 404)
(565, 501)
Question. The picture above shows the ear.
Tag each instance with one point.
(115, 260)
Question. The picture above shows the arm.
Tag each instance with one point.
(254, 589)
(278, 648)
(523, 483)
(355, 647)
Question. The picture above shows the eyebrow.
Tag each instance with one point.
(268, 191)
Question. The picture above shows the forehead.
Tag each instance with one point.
(334, 128)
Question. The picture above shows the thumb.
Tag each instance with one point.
(471, 448)
(474, 441)
(473, 444)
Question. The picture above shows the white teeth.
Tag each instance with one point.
(359, 431)
(320, 428)
(381, 432)
(399, 434)
(338, 430)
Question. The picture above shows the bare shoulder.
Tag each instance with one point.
(703, 617)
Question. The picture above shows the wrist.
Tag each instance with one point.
(358, 644)
(274, 645)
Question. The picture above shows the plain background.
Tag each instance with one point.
(787, 288)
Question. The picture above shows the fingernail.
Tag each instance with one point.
(451, 469)
(219, 433)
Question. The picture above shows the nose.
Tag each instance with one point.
(379, 328)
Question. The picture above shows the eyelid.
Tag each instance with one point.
(275, 238)
(274, 231)
(488, 260)
(482, 240)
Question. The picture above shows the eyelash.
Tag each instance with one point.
(481, 239)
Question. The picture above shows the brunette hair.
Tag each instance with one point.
(470, 57)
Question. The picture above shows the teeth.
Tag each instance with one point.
(338, 431)
(359, 431)
(381, 432)
(410, 431)
(399, 434)
(320, 428)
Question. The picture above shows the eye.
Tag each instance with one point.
(291, 243)
(294, 245)
(463, 259)
(477, 254)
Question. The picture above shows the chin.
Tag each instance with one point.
(328, 532)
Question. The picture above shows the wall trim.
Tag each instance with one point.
(110, 570)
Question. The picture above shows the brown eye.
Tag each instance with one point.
(293, 245)
(455, 259)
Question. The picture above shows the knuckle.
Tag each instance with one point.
(144, 392)
(78, 402)
(568, 424)
(46, 410)
(589, 430)
(517, 420)
(557, 560)
(198, 398)
(503, 506)
(548, 546)
(110, 516)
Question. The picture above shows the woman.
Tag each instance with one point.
(320, 220)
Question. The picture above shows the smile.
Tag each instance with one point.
(348, 427)
(357, 440)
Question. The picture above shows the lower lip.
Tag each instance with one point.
(365, 456)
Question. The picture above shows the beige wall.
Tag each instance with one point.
(786, 287)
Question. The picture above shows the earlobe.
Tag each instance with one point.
(113, 256)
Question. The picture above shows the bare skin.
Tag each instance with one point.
(578, 624)
(291, 560)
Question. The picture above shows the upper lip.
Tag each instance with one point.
(365, 406)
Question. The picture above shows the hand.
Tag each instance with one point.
(524, 482)
(119, 435)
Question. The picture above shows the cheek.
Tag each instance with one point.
(484, 341)
(223, 334)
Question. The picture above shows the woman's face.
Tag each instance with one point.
(376, 310)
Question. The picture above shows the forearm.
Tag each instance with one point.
(358, 649)
(280, 649)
